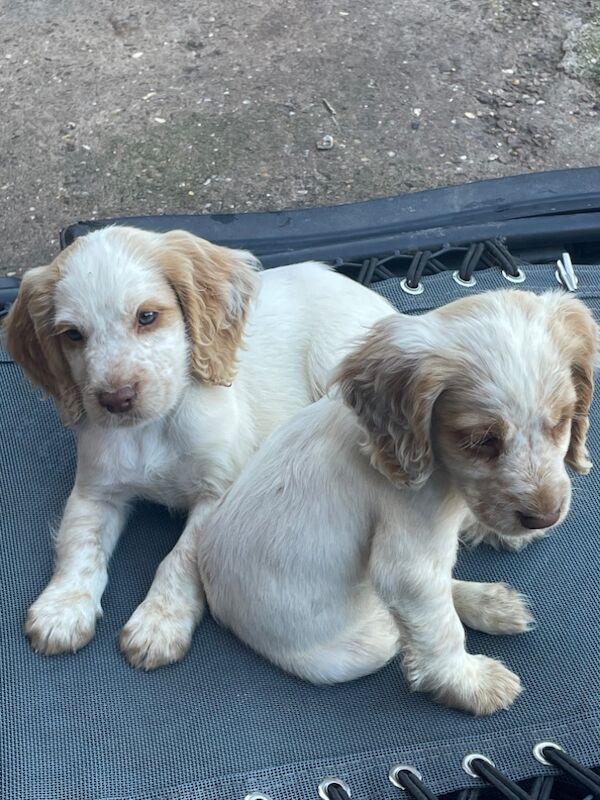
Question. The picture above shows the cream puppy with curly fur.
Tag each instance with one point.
(334, 549)
(173, 359)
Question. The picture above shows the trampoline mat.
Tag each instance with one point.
(224, 722)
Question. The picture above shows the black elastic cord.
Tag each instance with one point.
(505, 259)
(469, 794)
(470, 261)
(411, 272)
(498, 780)
(414, 787)
(369, 266)
(492, 253)
(337, 792)
(417, 267)
(541, 788)
(586, 777)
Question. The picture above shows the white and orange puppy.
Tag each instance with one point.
(334, 549)
(173, 359)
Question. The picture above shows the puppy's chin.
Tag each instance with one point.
(103, 419)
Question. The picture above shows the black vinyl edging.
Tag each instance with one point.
(537, 216)
(505, 207)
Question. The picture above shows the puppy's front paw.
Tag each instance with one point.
(477, 534)
(61, 621)
(157, 634)
(502, 610)
(515, 543)
(482, 687)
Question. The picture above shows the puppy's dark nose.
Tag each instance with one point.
(118, 402)
(535, 522)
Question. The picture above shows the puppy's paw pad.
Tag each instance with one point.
(156, 636)
(487, 686)
(61, 621)
(504, 611)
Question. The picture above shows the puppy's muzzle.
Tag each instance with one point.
(119, 401)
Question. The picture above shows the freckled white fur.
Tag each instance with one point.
(192, 439)
(323, 560)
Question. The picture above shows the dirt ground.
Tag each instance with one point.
(194, 106)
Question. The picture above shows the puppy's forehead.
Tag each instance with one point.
(513, 362)
(107, 274)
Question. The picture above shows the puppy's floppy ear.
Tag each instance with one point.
(578, 336)
(32, 342)
(214, 286)
(393, 390)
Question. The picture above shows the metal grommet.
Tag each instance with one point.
(257, 796)
(327, 782)
(457, 279)
(418, 289)
(538, 752)
(393, 774)
(468, 760)
(518, 278)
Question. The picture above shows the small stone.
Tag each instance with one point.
(470, 115)
(415, 124)
(191, 194)
(508, 72)
(391, 153)
(326, 143)
(137, 55)
(149, 95)
(493, 157)
(417, 112)
(160, 120)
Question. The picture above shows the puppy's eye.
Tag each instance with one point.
(560, 427)
(487, 446)
(491, 444)
(74, 335)
(147, 317)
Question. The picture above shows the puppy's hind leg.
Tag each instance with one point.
(491, 607)
(360, 650)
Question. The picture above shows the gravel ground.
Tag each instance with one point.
(188, 106)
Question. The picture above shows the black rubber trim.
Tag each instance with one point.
(527, 209)
(8, 291)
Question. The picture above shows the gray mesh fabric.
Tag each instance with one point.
(224, 722)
